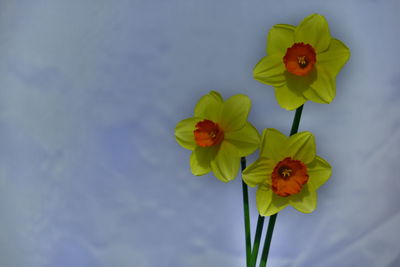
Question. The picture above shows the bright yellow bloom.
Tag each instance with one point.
(218, 135)
(302, 62)
(288, 171)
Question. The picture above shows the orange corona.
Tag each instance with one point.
(288, 177)
(208, 133)
(300, 59)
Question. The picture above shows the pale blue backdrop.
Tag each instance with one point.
(91, 175)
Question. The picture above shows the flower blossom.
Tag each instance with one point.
(288, 172)
(219, 135)
(302, 62)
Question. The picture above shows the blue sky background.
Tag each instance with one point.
(91, 175)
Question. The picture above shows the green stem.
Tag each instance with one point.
(272, 219)
(296, 120)
(256, 244)
(246, 216)
(268, 238)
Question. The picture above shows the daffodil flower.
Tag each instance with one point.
(218, 135)
(302, 62)
(288, 172)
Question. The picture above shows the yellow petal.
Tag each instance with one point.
(324, 86)
(234, 112)
(209, 107)
(335, 57)
(280, 37)
(319, 172)
(272, 144)
(268, 203)
(314, 30)
(305, 201)
(270, 70)
(200, 160)
(226, 163)
(259, 172)
(184, 133)
(311, 94)
(246, 140)
(301, 146)
(329, 63)
(288, 98)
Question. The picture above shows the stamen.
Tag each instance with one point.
(302, 61)
(286, 172)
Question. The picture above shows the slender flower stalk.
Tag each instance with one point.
(268, 237)
(296, 120)
(256, 245)
(272, 219)
(246, 216)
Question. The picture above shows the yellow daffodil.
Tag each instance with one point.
(218, 135)
(288, 171)
(302, 62)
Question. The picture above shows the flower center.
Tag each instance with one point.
(285, 172)
(288, 177)
(208, 133)
(300, 59)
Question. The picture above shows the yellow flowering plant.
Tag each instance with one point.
(219, 135)
(287, 172)
(302, 62)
